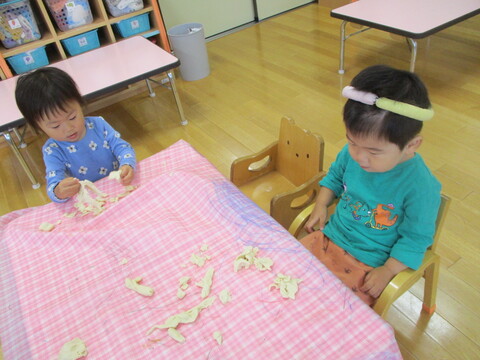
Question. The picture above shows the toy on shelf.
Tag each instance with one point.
(122, 7)
(69, 14)
(17, 23)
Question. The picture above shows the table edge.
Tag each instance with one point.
(402, 32)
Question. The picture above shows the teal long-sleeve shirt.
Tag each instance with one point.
(382, 215)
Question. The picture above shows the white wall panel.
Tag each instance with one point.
(216, 16)
(267, 8)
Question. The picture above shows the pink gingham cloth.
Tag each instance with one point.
(69, 283)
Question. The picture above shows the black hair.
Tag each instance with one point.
(43, 92)
(368, 120)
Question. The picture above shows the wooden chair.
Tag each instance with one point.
(283, 178)
(405, 279)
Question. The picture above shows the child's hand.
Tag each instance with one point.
(126, 174)
(66, 188)
(318, 217)
(377, 280)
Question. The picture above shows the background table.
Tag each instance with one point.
(414, 19)
(69, 283)
(97, 72)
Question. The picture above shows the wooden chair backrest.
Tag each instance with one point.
(300, 153)
(442, 211)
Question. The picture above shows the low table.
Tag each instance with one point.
(414, 19)
(97, 72)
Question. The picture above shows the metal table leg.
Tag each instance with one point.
(151, 92)
(171, 78)
(343, 38)
(26, 168)
(413, 57)
(21, 143)
(173, 87)
(341, 70)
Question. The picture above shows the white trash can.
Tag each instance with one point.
(188, 45)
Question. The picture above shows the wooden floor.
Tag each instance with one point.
(287, 65)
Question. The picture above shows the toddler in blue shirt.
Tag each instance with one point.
(79, 148)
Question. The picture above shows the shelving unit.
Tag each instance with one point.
(102, 21)
(2, 74)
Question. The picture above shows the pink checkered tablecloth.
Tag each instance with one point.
(68, 283)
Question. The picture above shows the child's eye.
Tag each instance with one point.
(73, 117)
(55, 127)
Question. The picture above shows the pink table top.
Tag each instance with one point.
(411, 18)
(68, 283)
(98, 72)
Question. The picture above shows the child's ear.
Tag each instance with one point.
(414, 144)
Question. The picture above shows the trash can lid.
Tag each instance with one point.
(184, 29)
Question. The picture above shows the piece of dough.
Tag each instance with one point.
(183, 282)
(217, 335)
(206, 282)
(263, 264)
(70, 215)
(181, 294)
(127, 190)
(288, 286)
(185, 317)
(72, 350)
(133, 284)
(45, 226)
(249, 257)
(225, 296)
(85, 203)
(114, 175)
(176, 335)
(199, 259)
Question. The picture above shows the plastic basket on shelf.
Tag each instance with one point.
(29, 60)
(69, 14)
(17, 23)
(122, 7)
(133, 25)
(81, 43)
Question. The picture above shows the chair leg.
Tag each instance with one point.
(430, 290)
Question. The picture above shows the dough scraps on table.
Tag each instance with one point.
(134, 284)
(288, 285)
(249, 257)
(72, 350)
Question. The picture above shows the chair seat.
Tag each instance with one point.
(262, 190)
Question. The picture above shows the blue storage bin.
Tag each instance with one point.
(29, 60)
(133, 25)
(81, 43)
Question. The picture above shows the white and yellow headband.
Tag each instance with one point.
(397, 107)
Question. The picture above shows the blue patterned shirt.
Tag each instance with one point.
(99, 152)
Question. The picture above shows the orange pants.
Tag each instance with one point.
(348, 269)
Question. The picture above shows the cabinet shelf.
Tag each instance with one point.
(102, 20)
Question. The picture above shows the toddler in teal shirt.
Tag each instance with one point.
(388, 198)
